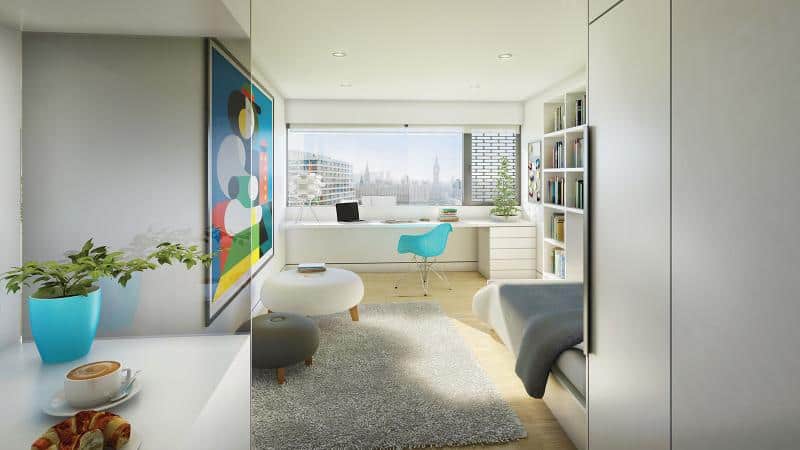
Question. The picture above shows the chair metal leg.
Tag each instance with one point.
(424, 268)
(442, 276)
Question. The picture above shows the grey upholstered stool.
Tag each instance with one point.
(281, 340)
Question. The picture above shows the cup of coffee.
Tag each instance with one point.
(94, 383)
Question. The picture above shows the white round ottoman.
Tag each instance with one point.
(313, 294)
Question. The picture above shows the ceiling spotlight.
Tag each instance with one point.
(345, 84)
(504, 56)
(339, 53)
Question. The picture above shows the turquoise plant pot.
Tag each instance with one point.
(64, 328)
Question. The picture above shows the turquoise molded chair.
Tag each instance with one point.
(424, 247)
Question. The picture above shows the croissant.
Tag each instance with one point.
(87, 430)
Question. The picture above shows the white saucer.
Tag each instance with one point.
(58, 407)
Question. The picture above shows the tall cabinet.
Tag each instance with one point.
(629, 117)
(693, 127)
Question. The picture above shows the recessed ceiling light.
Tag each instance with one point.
(504, 56)
(345, 84)
(339, 53)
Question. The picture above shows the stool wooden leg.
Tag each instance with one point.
(281, 373)
(309, 360)
(354, 313)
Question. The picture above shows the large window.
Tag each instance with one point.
(404, 166)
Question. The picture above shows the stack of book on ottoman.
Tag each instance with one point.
(311, 267)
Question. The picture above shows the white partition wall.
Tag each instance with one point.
(10, 122)
(628, 99)
(736, 248)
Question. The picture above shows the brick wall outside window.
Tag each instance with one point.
(488, 147)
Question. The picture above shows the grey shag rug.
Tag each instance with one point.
(401, 377)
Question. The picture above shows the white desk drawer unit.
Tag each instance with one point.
(507, 252)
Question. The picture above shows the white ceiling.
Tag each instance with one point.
(220, 18)
(418, 49)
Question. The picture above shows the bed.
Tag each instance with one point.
(541, 324)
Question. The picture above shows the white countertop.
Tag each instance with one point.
(377, 224)
(195, 391)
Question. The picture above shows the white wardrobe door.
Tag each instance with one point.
(628, 99)
(736, 238)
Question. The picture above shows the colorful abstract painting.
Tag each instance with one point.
(534, 172)
(240, 178)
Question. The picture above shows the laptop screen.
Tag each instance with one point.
(347, 212)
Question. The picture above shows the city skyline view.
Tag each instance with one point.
(390, 155)
(411, 167)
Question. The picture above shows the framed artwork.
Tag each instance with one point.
(240, 177)
(534, 172)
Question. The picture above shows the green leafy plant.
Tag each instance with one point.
(80, 273)
(505, 197)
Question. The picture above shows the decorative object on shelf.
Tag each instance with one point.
(505, 198)
(65, 310)
(304, 188)
(534, 171)
(240, 177)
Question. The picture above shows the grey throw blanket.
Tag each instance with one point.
(543, 320)
(546, 335)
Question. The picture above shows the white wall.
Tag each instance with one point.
(10, 228)
(533, 129)
(377, 112)
(115, 148)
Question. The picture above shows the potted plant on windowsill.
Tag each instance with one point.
(505, 199)
(65, 309)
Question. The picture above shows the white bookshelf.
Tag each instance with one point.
(570, 170)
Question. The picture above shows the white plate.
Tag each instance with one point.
(134, 443)
(57, 405)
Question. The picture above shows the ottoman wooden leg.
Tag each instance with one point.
(281, 373)
(309, 360)
(354, 313)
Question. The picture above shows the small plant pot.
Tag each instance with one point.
(513, 218)
(64, 328)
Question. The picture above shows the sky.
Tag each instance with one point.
(397, 153)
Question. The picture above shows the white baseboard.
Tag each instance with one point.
(460, 266)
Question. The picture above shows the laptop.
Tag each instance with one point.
(347, 212)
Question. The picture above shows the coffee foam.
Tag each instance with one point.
(93, 370)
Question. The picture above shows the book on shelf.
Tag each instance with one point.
(577, 152)
(558, 118)
(579, 193)
(580, 111)
(559, 260)
(557, 227)
(555, 190)
(558, 155)
(448, 215)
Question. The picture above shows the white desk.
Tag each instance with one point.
(500, 250)
(196, 391)
(377, 224)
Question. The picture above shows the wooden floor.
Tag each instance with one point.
(544, 431)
